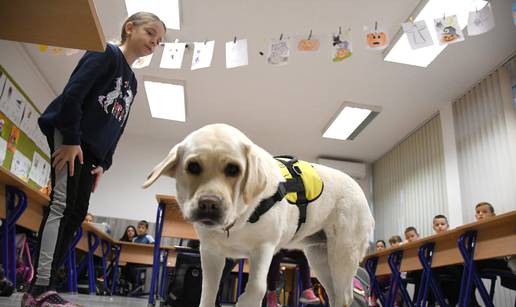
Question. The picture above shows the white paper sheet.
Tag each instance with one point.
(20, 165)
(202, 55)
(12, 103)
(40, 170)
(142, 62)
(448, 30)
(342, 48)
(236, 53)
(41, 141)
(172, 57)
(279, 51)
(3, 150)
(29, 121)
(481, 21)
(418, 34)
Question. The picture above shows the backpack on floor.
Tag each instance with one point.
(361, 289)
(185, 285)
(24, 267)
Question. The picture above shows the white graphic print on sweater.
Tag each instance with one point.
(120, 107)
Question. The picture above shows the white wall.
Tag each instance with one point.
(120, 193)
(19, 65)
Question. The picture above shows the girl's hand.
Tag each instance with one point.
(97, 172)
(66, 154)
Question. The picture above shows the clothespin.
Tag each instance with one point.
(310, 35)
(234, 40)
(205, 41)
(281, 36)
(411, 20)
(376, 26)
(340, 30)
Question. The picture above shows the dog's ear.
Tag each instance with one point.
(166, 167)
(255, 176)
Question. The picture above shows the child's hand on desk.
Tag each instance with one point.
(97, 172)
(66, 154)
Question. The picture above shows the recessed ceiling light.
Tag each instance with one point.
(350, 121)
(166, 10)
(428, 10)
(166, 100)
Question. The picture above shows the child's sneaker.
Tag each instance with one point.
(308, 297)
(272, 299)
(53, 299)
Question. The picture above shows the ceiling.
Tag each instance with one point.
(285, 109)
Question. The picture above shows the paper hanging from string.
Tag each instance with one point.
(310, 44)
(172, 57)
(236, 53)
(448, 30)
(481, 21)
(341, 46)
(376, 38)
(418, 34)
(202, 55)
(142, 62)
(279, 51)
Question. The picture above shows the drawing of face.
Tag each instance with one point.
(376, 39)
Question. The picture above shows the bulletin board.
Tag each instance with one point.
(24, 149)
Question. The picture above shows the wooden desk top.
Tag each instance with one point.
(63, 23)
(36, 201)
(496, 238)
(174, 224)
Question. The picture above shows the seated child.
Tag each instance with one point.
(380, 245)
(129, 234)
(88, 218)
(395, 241)
(307, 295)
(142, 236)
(412, 235)
(448, 277)
(485, 210)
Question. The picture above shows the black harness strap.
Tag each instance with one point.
(292, 185)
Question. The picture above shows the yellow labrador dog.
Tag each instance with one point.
(221, 177)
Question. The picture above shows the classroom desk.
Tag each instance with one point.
(495, 237)
(20, 204)
(171, 223)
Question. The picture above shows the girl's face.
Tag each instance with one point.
(411, 236)
(143, 39)
(130, 233)
(379, 246)
(88, 218)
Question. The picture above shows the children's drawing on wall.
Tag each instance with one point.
(12, 103)
(481, 21)
(13, 139)
(172, 57)
(20, 166)
(376, 38)
(142, 62)
(418, 34)
(236, 53)
(448, 30)
(514, 13)
(341, 46)
(279, 51)
(3, 150)
(40, 170)
(29, 121)
(203, 54)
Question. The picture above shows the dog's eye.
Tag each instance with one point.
(232, 170)
(194, 168)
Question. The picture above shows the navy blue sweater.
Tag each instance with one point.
(93, 109)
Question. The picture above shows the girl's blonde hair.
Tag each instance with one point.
(139, 19)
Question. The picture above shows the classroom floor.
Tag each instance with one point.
(86, 300)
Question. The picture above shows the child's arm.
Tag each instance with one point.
(91, 67)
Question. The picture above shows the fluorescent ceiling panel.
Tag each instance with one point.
(166, 100)
(402, 53)
(166, 10)
(351, 120)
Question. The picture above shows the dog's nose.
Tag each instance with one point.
(209, 204)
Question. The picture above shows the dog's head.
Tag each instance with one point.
(220, 175)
